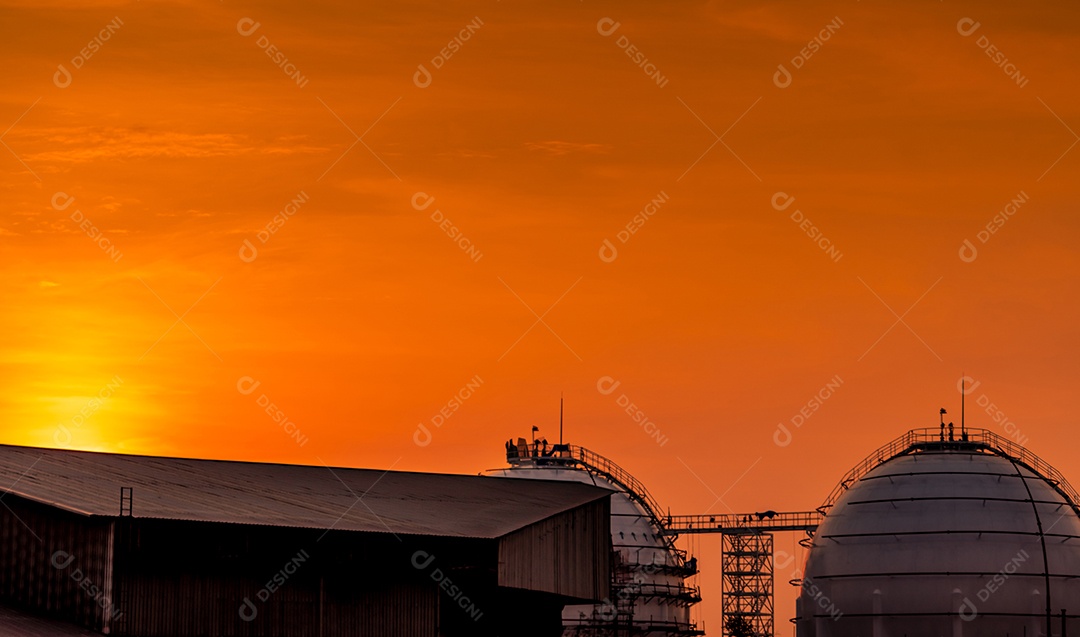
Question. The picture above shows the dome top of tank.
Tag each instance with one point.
(931, 535)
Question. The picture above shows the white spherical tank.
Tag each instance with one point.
(650, 596)
(964, 538)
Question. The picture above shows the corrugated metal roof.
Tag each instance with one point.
(15, 623)
(286, 495)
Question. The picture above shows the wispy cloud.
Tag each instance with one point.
(557, 147)
(83, 145)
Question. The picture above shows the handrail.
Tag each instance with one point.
(633, 487)
(589, 625)
(620, 476)
(671, 591)
(931, 439)
(740, 523)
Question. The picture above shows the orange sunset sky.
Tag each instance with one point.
(808, 227)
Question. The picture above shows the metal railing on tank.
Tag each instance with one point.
(669, 593)
(592, 627)
(677, 565)
(593, 462)
(620, 476)
(935, 439)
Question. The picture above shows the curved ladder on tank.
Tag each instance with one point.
(926, 439)
(599, 465)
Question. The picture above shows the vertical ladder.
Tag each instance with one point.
(125, 501)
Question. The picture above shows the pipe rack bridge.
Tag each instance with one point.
(740, 523)
(747, 558)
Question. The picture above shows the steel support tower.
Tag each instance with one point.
(747, 564)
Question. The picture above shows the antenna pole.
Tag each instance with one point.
(963, 394)
(560, 417)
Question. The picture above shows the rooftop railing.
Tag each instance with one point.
(934, 439)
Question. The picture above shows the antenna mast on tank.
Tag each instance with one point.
(963, 394)
(560, 417)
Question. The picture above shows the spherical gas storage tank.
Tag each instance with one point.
(930, 536)
(651, 595)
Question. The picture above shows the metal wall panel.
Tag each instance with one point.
(55, 562)
(183, 579)
(208, 607)
(567, 554)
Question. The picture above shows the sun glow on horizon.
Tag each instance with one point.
(317, 244)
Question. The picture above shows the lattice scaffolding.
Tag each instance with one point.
(747, 563)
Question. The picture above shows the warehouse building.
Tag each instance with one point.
(140, 546)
